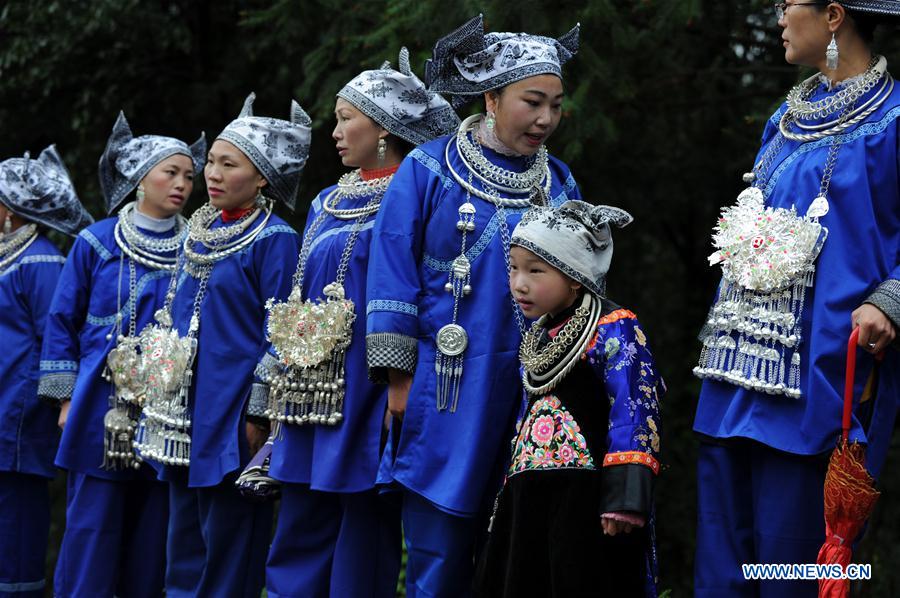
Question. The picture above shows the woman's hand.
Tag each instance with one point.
(398, 392)
(876, 331)
(63, 414)
(256, 437)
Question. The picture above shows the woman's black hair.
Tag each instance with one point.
(865, 24)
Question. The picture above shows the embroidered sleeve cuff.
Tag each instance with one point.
(627, 488)
(388, 350)
(267, 367)
(57, 387)
(887, 298)
(259, 400)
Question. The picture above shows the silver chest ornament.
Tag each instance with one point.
(311, 340)
(753, 332)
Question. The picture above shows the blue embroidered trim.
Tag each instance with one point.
(142, 282)
(475, 250)
(432, 165)
(341, 229)
(316, 204)
(58, 365)
(25, 586)
(395, 306)
(863, 131)
(95, 243)
(34, 259)
(776, 118)
(563, 196)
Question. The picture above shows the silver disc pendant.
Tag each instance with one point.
(452, 340)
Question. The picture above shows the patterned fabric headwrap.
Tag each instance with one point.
(127, 159)
(42, 192)
(889, 8)
(467, 63)
(278, 148)
(398, 101)
(575, 238)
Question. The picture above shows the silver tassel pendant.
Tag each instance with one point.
(118, 440)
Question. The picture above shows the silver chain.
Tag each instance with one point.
(14, 244)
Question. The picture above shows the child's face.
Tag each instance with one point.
(538, 287)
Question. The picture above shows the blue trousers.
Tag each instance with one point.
(756, 505)
(440, 548)
(217, 542)
(331, 544)
(24, 528)
(114, 543)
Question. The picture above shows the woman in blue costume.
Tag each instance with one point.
(441, 324)
(33, 194)
(207, 425)
(335, 535)
(808, 253)
(114, 279)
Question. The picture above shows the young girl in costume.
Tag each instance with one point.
(573, 518)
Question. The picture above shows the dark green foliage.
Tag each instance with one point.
(666, 104)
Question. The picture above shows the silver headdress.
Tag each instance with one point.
(398, 101)
(42, 192)
(278, 148)
(127, 159)
(467, 63)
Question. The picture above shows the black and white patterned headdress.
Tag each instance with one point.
(575, 238)
(889, 8)
(398, 101)
(127, 159)
(467, 63)
(42, 192)
(278, 148)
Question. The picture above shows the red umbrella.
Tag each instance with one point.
(850, 494)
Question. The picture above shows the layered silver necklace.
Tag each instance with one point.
(168, 358)
(752, 335)
(13, 244)
(124, 369)
(503, 188)
(544, 367)
(311, 336)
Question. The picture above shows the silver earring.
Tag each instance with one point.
(260, 199)
(7, 224)
(490, 121)
(139, 194)
(832, 55)
(382, 149)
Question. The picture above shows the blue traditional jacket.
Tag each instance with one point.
(28, 431)
(230, 342)
(451, 458)
(862, 251)
(82, 314)
(341, 458)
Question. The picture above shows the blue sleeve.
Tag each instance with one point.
(622, 359)
(40, 280)
(393, 284)
(61, 350)
(275, 265)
